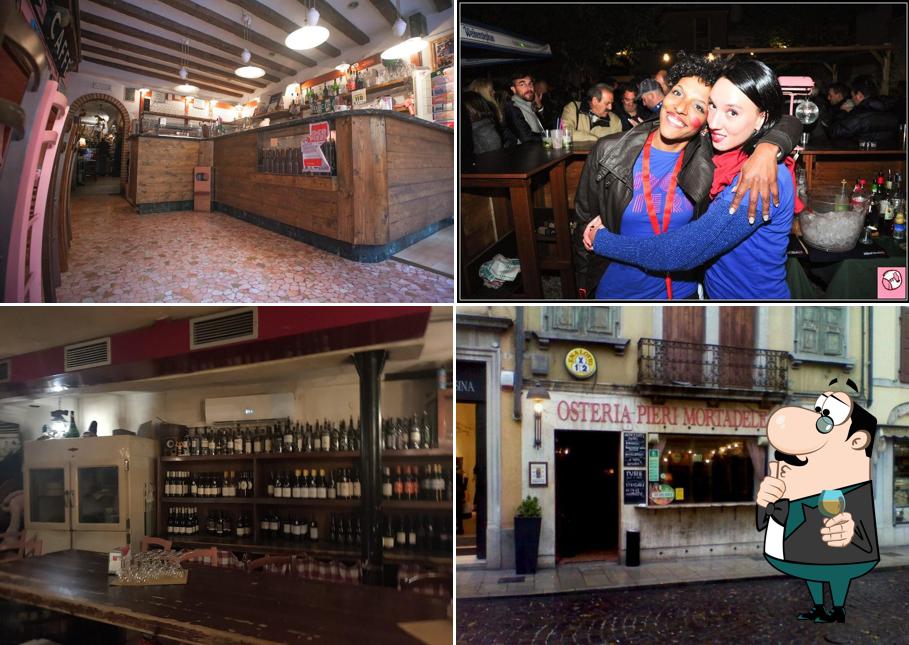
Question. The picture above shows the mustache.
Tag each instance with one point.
(792, 460)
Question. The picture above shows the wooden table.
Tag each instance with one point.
(219, 605)
(826, 166)
(516, 169)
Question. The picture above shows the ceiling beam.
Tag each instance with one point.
(141, 62)
(387, 10)
(280, 21)
(126, 30)
(164, 23)
(122, 45)
(237, 29)
(337, 20)
(166, 77)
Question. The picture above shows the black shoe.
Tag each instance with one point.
(818, 615)
(838, 615)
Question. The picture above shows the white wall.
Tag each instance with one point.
(79, 84)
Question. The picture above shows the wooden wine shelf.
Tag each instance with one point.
(408, 455)
(316, 455)
(271, 546)
(416, 505)
(407, 557)
(276, 501)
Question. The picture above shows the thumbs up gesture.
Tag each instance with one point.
(772, 487)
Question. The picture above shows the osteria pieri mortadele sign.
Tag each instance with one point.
(631, 412)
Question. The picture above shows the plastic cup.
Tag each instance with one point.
(547, 139)
(557, 139)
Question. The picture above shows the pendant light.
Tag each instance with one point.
(309, 35)
(405, 48)
(247, 71)
(185, 87)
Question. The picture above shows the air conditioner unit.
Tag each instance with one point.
(250, 408)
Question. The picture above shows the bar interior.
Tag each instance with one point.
(328, 124)
(519, 230)
(263, 474)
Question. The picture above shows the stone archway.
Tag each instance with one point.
(74, 108)
(61, 226)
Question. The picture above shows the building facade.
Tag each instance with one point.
(655, 421)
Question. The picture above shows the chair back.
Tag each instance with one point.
(207, 556)
(272, 564)
(428, 583)
(30, 548)
(150, 541)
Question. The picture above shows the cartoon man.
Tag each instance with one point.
(825, 449)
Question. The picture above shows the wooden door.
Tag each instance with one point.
(736, 353)
(683, 363)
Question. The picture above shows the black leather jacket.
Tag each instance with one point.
(871, 120)
(607, 186)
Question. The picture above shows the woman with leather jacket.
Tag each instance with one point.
(627, 177)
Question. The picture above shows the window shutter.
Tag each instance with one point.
(564, 319)
(807, 329)
(834, 331)
(904, 345)
(603, 320)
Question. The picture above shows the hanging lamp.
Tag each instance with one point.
(404, 48)
(309, 35)
(247, 71)
(185, 87)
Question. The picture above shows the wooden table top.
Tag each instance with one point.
(521, 162)
(219, 605)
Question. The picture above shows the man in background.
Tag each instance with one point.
(651, 95)
(594, 120)
(521, 113)
(872, 119)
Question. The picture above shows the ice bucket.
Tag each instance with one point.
(828, 229)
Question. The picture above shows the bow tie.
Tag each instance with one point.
(778, 510)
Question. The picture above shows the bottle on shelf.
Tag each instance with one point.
(388, 537)
(314, 530)
(387, 486)
(73, 432)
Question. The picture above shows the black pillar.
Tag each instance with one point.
(369, 367)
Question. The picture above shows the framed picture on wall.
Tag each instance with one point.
(538, 473)
(443, 52)
(275, 101)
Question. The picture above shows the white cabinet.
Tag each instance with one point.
(93, 494)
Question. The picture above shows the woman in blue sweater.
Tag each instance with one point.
(743, 261)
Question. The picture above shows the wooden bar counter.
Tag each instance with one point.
(216, 605)
(392, 184)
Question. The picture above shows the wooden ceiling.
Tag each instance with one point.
(140, 42)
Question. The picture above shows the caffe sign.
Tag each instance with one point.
(60, 37)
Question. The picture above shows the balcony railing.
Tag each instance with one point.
(675, 364)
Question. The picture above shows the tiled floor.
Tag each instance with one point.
(480, 583)
(119, 256)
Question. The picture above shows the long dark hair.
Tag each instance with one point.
(758, 82)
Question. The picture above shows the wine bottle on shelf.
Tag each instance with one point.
(297, 490)
(397, 486)
(266, 442)
(314, 530)
(400, 535)
(387, 487)
(411, 534)
(356, 490)
(299, 441)
(415, 434)
(297, 529)
(321, 491)
(289, 443)
(326, 436)
(388, 537)
(73, 431)
(317, 438)
(331, 491)
(287, 529)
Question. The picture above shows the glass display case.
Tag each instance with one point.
(308, 153)
(173, 125)
(99, 495)
(47, 504)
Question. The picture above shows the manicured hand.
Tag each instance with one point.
(758, 177)
(590, 232)
(838, 530)
(772, 488)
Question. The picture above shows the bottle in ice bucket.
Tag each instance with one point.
(841, 204)
(859, 199)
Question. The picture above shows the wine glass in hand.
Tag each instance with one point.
(831, 503)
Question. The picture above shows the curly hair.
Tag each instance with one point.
(687, 65)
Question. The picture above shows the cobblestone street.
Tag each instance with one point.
(762, 611)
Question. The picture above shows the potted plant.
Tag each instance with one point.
(527, 520)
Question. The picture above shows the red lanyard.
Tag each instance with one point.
(670, 198)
